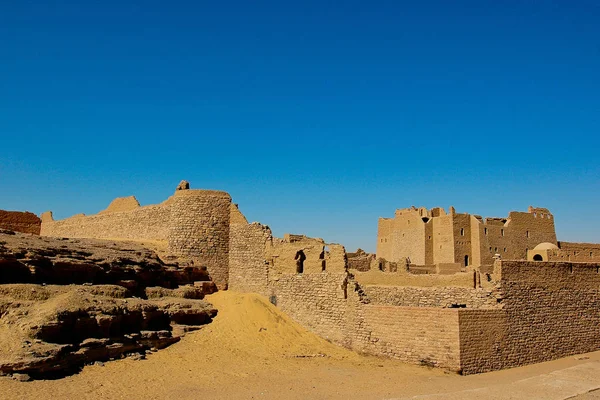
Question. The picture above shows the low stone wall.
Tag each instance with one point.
(18, 221)
(425, 336)
(439, 297)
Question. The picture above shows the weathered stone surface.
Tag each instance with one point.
(52, 331)
(183, 185)
(36, 259)
(17, 221)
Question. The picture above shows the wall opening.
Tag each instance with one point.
(322, 258)
(527, 233)
(466, 261)
(485, 231)
(300, 257)
(538, 257)
(425, 219)
(502, 232)
(462, 231)
(571, 269)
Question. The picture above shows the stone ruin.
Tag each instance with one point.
(435, 293)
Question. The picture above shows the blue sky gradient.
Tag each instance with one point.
(318, 117)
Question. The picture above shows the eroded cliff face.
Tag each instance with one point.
(65, 303)
(18, 221)
(61, 261)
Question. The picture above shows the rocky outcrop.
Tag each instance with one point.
(45, 260)
(18, 221)
(65, 303)
(52, 331)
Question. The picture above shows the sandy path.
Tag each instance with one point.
(253, 351)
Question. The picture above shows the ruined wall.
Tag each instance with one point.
(199, 229)
(315, 300)
(549, 310)
(360, 260)
(248, 265)
(141, 223)
(193, 223)
(17, 221)
(440, 297)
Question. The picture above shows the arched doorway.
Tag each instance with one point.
(538, 257)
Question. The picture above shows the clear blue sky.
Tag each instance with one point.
(318, 117)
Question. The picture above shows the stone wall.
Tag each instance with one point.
(549, 310)
(193, 224)
(439, 297)
(248, 265)
(199, 229)
(581, 252)
(17, 221)
(425, 336)
(141, 223)
(360, 260)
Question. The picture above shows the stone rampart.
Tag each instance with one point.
(193, 224)
(141, 223)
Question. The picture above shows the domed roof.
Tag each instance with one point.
(546, 246)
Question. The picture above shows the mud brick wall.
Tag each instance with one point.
(550, 310)
(142, 223)
(248, 268)
(17, 221)
(199, 229)
(328, 305)
(426, 336)
(442, 297)
(482, 340)
(317, 301)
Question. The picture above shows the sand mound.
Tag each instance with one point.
(259, 329)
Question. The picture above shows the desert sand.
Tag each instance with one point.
(253, 351)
